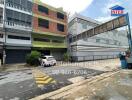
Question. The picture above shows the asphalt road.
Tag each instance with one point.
(21, 85)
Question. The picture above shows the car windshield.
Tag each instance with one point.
(43, 57)
(51, 58)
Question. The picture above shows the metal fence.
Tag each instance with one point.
(93, 57)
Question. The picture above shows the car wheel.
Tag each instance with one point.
(54, 64)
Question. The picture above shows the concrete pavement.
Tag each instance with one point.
(115, 87)
(21, 85)
(108, 86)
(29, 83)
(68, 91)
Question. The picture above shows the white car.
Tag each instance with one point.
(48, 61)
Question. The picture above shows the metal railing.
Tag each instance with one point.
(93, 57)
(18, 7)
(16, 25)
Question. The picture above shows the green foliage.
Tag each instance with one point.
(33, 58)
(66, 57)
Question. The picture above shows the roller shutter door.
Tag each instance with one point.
(16, 56)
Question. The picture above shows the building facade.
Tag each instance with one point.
(103, 46)
(49, 30)
(16, 28)
(27, 25)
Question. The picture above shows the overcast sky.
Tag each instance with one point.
(96, 9)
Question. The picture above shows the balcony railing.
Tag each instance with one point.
(16, 25)
(48, 44)
(18, 7)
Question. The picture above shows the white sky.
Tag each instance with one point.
(70, 6)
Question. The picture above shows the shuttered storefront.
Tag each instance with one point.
(16, 56)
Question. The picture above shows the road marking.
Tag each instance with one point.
(41, 78)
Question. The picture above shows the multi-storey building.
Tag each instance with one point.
(16, 28)
(49, 29)
(102, 46)
(31, 24)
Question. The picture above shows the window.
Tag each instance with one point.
(18, 37)
(97, 40)
(60, 27)
(1, 35)
(43, 23)
(29, 5)
(57, 41)
(84, 25)
(43, 9)
(41, 39)
(60, 15)
(107, 41)
(1, 11)
(115, 42)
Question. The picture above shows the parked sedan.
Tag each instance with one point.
(47, 61)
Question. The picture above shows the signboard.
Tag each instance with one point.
(105, 27)
(117, 10)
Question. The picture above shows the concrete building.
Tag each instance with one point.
(27, 25)
(16, 28)
(49, 30)
(103, 46)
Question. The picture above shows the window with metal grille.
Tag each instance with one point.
(43, 23)
(60, 15)
(57, 41)
(97, 40)
(43, 9)
(60, 27)
(41, 39)
(18, 37)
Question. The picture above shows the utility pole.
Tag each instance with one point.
(129, 33)
(4, 42)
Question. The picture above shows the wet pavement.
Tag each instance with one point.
(21, 85)
(117, 87)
